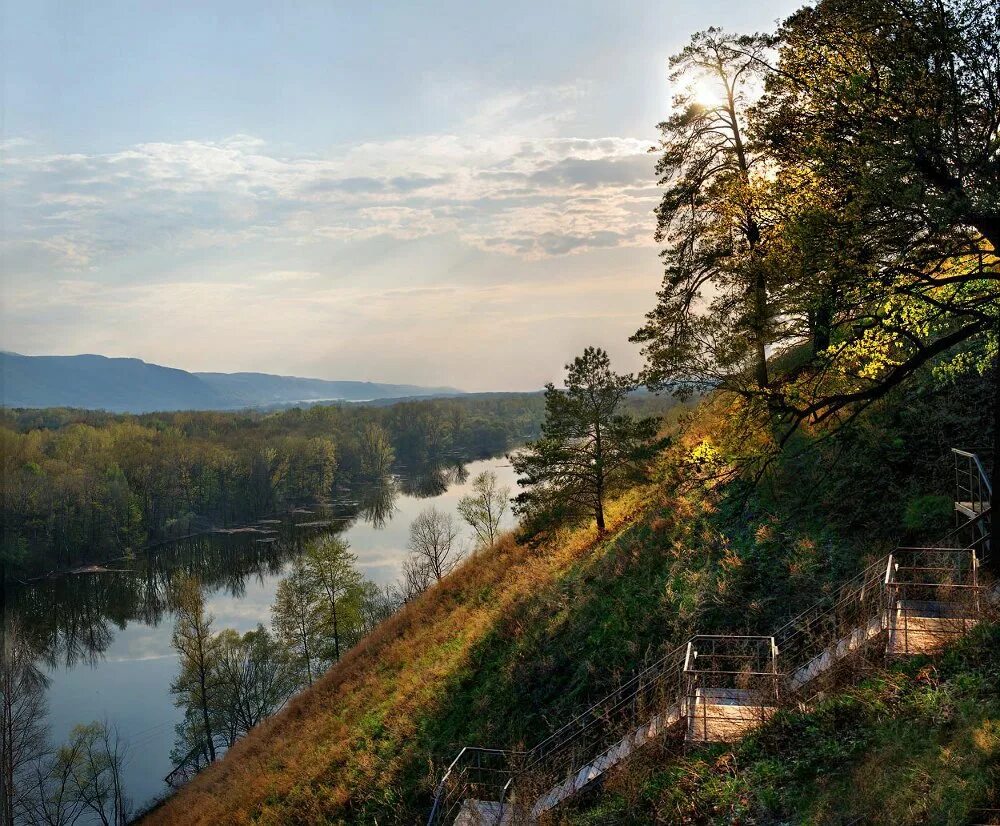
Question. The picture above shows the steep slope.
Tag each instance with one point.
(522, 637)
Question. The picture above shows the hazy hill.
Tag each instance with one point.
(264, 388)
(127, 385)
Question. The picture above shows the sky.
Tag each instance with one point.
(445, 193)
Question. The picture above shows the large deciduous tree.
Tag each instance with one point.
(715, 315)
(588, 449)
(892, 108)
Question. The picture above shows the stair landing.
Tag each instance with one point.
(926, 626)
(722, 715)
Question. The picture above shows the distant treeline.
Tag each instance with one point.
(83, 485)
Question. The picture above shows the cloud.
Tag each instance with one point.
(514, 195)
(406, 259)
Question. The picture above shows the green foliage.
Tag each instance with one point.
(853, 205)
(194, 687)
(484, 507)
(336, 584)
(716, 311)
(299, 620)
(929, 513)
(79, 485)
(589, 450)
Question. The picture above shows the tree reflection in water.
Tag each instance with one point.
(73, 619)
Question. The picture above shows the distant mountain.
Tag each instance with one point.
(258, 389)
(125, 385)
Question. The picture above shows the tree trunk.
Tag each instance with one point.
(760, 334)
(821, 321)
(336, 631)
(599, 516)
(203, 680)
(994, 557)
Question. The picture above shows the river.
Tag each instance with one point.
(104, 638)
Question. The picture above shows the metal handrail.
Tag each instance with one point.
(655, 669)
(975, 460)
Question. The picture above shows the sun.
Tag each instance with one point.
(707, 92)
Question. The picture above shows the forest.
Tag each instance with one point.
(91, 486)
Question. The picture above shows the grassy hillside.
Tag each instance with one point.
(522, 636)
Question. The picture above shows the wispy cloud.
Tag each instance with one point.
(410, 259)
(528, 197)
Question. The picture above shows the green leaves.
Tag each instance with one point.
(588, 449)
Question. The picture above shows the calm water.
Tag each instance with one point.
(105, 638)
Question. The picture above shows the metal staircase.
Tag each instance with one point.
(718, 687)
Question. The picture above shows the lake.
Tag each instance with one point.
(104, 638)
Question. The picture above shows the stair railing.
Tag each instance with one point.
(475, 774)
(859, 605)
(972, 483)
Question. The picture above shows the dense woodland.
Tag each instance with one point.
(90, 486)
(86, 486)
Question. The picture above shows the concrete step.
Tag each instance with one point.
(926, 626)
(970, 510)
(483, 813)
(620, 751)
(841, 649)
(724, 715)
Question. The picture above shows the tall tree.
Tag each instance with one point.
(484, 507)
(892, 107)
(22, 718)
(715, 315)
(96, 757)
(330, 566)
(298, 619)
(377, 453)
(198, 648)
(588, 450)
(255, 678)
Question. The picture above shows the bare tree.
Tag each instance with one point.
(485, 506)
(53, 801)
(22, 715)
(432, 541)
(378, 602)
(417, 577)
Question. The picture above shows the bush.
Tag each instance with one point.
(928, 514)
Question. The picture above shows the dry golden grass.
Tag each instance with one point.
(309, 762)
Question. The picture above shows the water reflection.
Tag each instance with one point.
(104, 638)
(378, 503)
